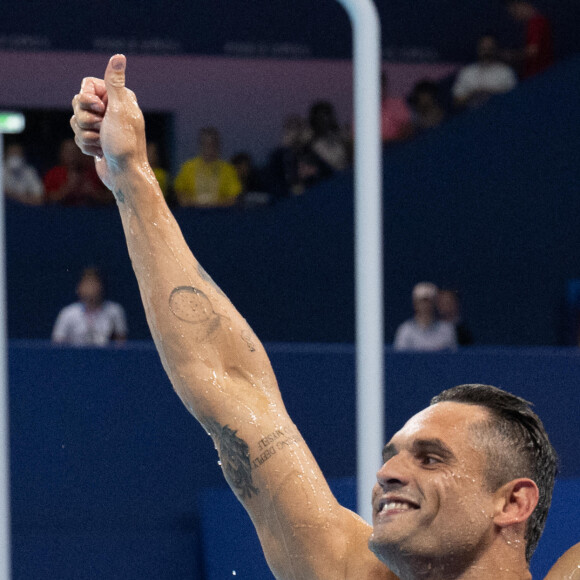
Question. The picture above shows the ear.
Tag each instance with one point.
(515, 501)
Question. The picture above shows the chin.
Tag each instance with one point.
(383, 547)
(387, 552)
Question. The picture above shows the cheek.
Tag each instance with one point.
(466, 498)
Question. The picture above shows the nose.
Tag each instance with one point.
(394, 472)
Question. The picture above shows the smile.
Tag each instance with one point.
(392, 506)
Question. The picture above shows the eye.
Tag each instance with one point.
(429, 460)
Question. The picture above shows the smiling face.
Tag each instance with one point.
(431, 500)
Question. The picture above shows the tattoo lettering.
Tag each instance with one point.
(119, 195)
(193, 306)
(271, 444)
(235, 457)
(205, 276)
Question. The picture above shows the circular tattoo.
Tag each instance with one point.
(193, 306)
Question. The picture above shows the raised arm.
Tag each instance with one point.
(217, 365)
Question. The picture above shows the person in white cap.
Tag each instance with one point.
(424, 332)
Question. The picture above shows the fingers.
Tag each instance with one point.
(89, 107)
(88, 120)
(93, 94)
(87, 136)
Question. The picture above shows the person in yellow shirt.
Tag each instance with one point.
(207, 180)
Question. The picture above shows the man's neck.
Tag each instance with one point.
(506, 563)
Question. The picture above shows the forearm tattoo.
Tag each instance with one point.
(271, 444)
(191, 305)
(235, 458)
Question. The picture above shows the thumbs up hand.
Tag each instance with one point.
(108, 123)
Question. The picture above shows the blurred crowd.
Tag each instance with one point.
(437, 322)
(312, 147)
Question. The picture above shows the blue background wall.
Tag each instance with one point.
(109, 472)
(487, 204)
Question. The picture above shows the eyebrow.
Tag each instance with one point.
(434, 445)
(389, 450)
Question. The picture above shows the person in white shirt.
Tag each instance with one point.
(424, 332)
(21, 181)
(92, 321)
(477, 82)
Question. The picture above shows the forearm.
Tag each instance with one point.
(206, 347)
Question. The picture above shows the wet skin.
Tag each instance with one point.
(432, 482)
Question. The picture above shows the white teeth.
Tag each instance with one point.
(396, 505)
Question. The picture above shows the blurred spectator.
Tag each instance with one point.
(207, 180)
(74, 181)
(427, 111)
(449, 309)
(282, 167)
(160, 173)
(92, 321)
(21, 181)
(477, 82)
(395, 115)
(327, 141)
(253, 190)
(424, 332)
(538, 51)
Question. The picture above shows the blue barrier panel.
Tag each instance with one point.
(101, 446)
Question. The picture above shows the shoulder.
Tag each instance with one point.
(72, 311)
(445, 330)
(225, 166)
(468, 69)
(445, 326)
(566, 567)
(190, 164)
(539, 20)
(407, 326)
(500, 68)
(113, 307)
(74, 308)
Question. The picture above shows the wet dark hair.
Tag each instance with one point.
(517, 446)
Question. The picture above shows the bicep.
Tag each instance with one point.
(303, 530)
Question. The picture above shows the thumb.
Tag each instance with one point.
(115, 76)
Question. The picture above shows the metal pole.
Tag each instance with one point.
(9, 123)
(368, 248)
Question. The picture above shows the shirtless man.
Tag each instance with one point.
(441, 508)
